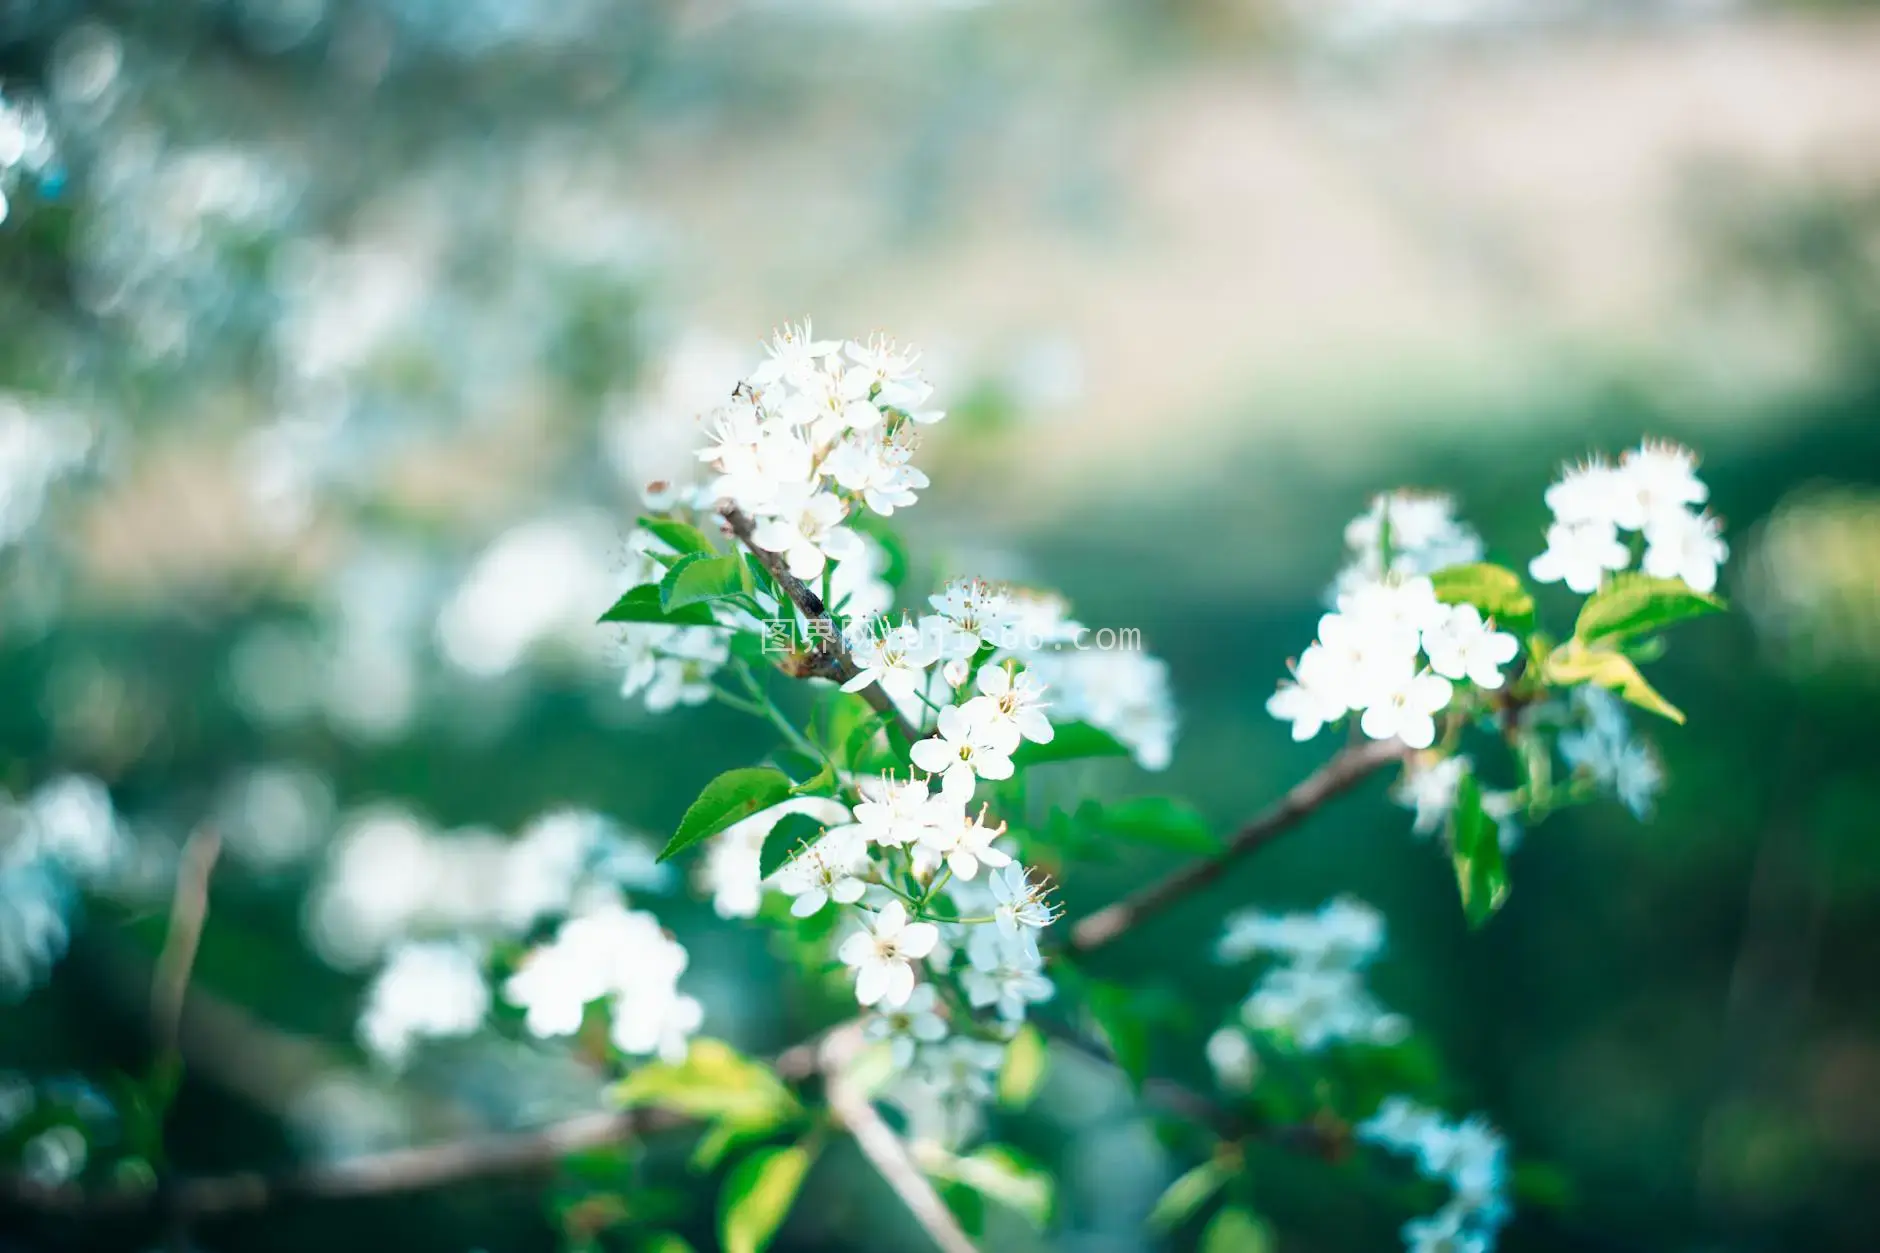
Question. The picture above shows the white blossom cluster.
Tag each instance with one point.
(1403, 534)
(1392, 653)
(427, 990)
(1469, 1155)
(1314, 995)
(1654, 491)
(64, 838)
(38, 446)
(1602, 747)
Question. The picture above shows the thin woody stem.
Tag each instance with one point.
(1350, 767)
(830, 658)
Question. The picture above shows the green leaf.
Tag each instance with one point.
(757, 1197)
(1543, 1185)
(728, 1134)
(694, 579)
(1475, 843)
(1123, 1028)
(967, 1205)
(1234, 1230)
(665, 1242)
(733, 795)
(1073, 741)
(1637, 604)
(1002, 1174)
(1025, 1060)
(791, 833)
(1158, 820)
(714, 1081)
(1495, 590)
(1188, 1194)
(681, 537)
(641, 604)
(1573, 662)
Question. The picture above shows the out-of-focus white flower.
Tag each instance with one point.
(1005, 972)
(1429, 788)
(622, 956)
(1657, 479)
(537, 581)
(1579, 554)
(1232, 1059)
(428, 990)
(1603, 746)
(910, 1026)
(1683, 545)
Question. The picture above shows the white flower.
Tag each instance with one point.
(1313, 698)
(1011, 695)
(71, 820)
(1442, 1233)
(807, 530)
(881, 955)
(1683, 545)
(1405, 709)
(1004, 972)
(1462, 646)
(556, 984)
(672, 666)
(1425, 536)
(890, 369)
(1396, 610)
(972, 613)
(825, 871)
(907, 1028)
(1232, 1059)
(732, 870)
(893, 811)
(657, 1021)
(897, 659)
(965, 747)
(795, 355)
(1658, 478)
(966, 843)
(1606, 751)
(1592, 492)
(1020, 901)
(1363, 658)
(427, 990)
(1579, 554)
(1430, 789)
(832, 402)
(876, 466)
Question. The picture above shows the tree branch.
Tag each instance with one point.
(1351, 766)
(885, 1150)
(189, 910)
(830, 658)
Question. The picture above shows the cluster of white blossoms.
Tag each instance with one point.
(1470, 1156)
(27, 151)
(428, 989)
(1392, 653)
(1602, 747)
(1314, 996)
(1653, 491)
(622, 957)
(62, 839)
(1403, 534)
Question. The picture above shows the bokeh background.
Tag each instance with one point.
(339, 334)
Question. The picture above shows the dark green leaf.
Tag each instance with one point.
(641, 604)
(757, 1197)
(733, 795)
(1073, 741)
(1123, 1028)
(1475, 842)
(790, 835)
(1495, 590)
(1157, 820)
(695, 579)
(1637, 604)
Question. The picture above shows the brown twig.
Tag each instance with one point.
(830, 658)
(189, 910)
(1343, 772)
(884, 1150)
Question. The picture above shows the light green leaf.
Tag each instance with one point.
(665, 1242)
(757, 1197)
(791, 833)
(641, 604)
(1573, 662)
(1025, 1060)
(1234, 1230)
(729, 1134)
(1002, 1174)
(714, 1081)
(1072, 741)
(1475, 843)
(681, 537)
(1634, 604)
(1159, 820)
(1188, 1194)
(1495, 590)
(694, 579)
(733, 795)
